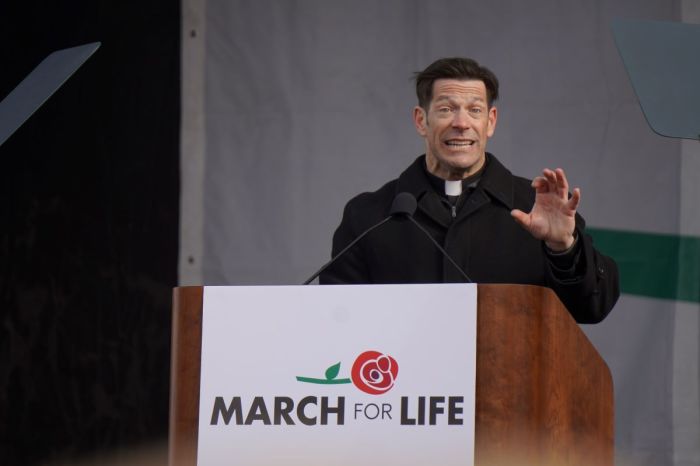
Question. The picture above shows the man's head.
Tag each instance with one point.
(455, 115)
(464, 69)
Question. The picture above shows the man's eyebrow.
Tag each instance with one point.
(452, 98)
(443, 97)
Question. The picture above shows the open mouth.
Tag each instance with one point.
(459, 143)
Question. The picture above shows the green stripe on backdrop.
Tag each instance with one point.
(654, 265)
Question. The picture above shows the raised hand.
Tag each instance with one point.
(552, 218)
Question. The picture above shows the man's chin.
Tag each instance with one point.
(465, 163)
(455, 166)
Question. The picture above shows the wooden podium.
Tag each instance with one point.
(544, 396)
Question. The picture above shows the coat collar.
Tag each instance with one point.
(496, 183)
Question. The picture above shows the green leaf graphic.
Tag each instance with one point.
(332, 372)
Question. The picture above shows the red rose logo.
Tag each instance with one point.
(374, 372)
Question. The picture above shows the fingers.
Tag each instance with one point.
(541, 185)
(557, 182)
(552, 181)
(546, 183)
(575, 199)
(562, 182)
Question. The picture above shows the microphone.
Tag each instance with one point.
(400, 205)
(405, 204)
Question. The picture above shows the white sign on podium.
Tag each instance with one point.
(338, 375)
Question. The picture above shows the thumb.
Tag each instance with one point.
(521, 218)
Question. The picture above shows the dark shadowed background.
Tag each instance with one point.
(89, 231)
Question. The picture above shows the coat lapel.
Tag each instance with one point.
(495, 186)
(413, 180)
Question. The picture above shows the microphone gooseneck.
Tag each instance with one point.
(404, 204)
(352, 243)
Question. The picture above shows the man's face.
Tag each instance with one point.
(456, 128)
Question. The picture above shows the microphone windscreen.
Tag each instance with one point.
(404, 203)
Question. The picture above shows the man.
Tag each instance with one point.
(475, 208)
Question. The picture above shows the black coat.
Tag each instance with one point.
(483, 239)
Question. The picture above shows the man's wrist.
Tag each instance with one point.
(562, 247)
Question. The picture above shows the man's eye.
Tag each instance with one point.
(476, 110)
(444, 110)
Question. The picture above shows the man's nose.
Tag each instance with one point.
(461, 120)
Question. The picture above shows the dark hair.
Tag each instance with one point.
(454, 68)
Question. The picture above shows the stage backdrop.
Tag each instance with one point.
(292, 108)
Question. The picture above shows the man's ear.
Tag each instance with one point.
(420, 119)
(493, 118)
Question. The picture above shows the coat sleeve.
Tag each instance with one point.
(594, 289)
(350, 268)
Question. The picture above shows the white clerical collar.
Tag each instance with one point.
(453, 188)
